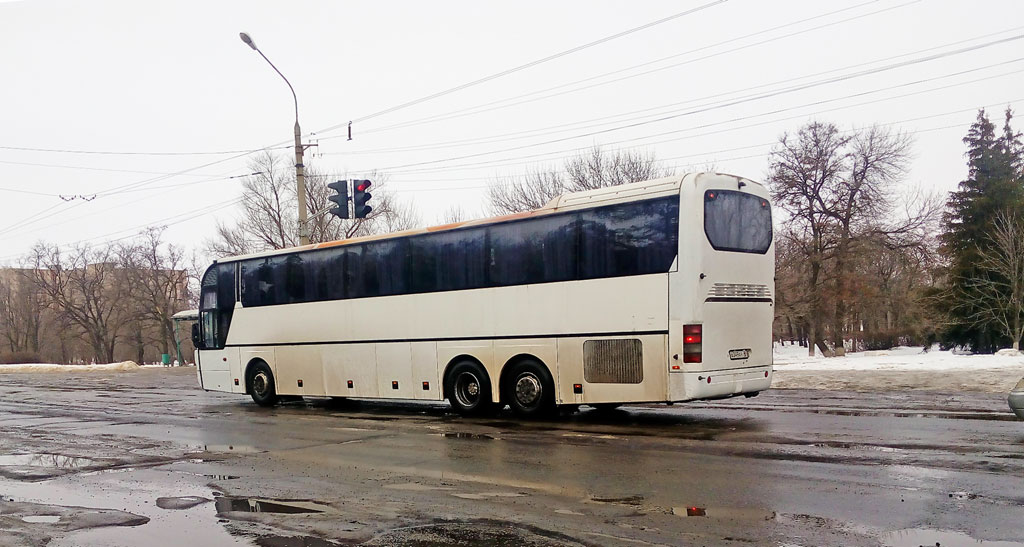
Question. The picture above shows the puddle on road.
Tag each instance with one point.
(227, 504)
(48, 519)
(237, 448)
(45, 460)
(491, 533)
(294, 541)
(183, 502)
(628, 500)
(919, 536)
(474, 436)
(731, 513)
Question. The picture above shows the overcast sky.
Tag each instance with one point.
(712, 88)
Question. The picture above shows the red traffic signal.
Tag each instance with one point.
(359, 198)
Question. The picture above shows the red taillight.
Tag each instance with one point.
(692, 335)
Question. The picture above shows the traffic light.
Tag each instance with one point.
(359, 198)
(341, 198)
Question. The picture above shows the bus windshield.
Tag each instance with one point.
(737, 221)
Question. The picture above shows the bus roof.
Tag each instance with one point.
(564, 202)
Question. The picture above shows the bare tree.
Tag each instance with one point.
(454, 214)
(158, 280)
(999, 291)
(86, 286)
(513, 194)
(839, 193)
(599, 169)
(596, 169)
(269, 218)
(20, 311)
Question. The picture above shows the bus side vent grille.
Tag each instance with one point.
(739, 290)
(613, 361)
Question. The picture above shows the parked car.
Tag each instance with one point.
(1016, 399)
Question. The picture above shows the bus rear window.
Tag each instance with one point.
(738, 222)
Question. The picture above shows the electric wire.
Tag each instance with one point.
(489, 107)
(735, 102)
(125, 153)
(633, 141)
(525, 66)
(558, 128)
(105, 169)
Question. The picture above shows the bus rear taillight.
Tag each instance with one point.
(691, 343)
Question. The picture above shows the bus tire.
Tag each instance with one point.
(469, 389)
(260, 383)
(529, 390)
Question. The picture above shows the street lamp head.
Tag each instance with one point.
(247, 39)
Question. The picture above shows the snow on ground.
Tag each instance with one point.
(123, 366)
(904, 368)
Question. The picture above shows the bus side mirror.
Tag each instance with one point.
(196, 338)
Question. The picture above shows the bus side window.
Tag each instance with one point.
(629, 239)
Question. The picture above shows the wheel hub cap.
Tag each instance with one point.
(467, 389)
(527, 390)
(259, 384)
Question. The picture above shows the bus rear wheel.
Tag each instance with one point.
(529, 390)
(469, 389)
(260, 383)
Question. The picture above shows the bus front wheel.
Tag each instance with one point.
(529, 390)
(261, 385)
(469, 389)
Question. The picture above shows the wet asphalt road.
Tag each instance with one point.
(146, 458)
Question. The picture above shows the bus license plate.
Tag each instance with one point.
(737, 354)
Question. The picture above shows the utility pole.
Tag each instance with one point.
(300, 169)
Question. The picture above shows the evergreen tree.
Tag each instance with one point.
(994, 183)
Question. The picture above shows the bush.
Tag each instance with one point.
(885, 339)
(18, 357)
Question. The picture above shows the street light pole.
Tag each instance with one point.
(300, 171)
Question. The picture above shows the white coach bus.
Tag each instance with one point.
(657, 291)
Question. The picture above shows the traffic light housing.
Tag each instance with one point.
(340, 197)
(359, 198)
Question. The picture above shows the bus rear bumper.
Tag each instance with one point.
(718, 384)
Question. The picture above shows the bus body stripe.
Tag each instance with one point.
(735, 299)
(455, 339)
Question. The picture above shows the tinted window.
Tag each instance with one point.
(376, 268)
(261, 284)
(736, 221)
(325, 274)
(226, 286)
(629, 239)
(216, 303)
(447, 261)
(540, 250)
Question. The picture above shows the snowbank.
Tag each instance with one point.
(123, 366)
(793, 358)
(897, 369)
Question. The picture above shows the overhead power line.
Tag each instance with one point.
(126, 153)
(601, 121)
(738, 101)
(525, 66)
(496, 105)
(465, 166)
(105, 169)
